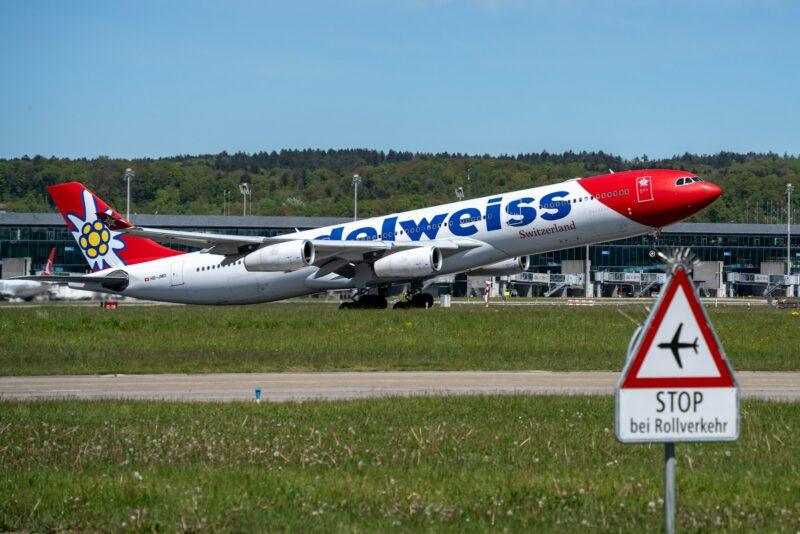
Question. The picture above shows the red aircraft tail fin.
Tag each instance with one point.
(102, 244)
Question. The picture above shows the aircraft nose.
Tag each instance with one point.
(711, 191)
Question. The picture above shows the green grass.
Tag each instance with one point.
(440, 464)
(281, 337)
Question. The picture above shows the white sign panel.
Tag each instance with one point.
(677, 385)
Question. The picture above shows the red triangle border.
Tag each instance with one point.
(679, 279)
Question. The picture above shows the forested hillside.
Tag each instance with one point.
(318, 182)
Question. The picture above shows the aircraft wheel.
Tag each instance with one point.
(401, 305)
(347, 305)
(374, 302)
(422, 300)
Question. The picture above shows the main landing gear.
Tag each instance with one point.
(418, 300)
(365, 302)
(378, 302)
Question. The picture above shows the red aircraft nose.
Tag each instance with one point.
(711, 190)
(707, 193)
(653, 197)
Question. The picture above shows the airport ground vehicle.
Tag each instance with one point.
(789, 303)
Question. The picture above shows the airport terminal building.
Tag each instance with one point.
(740, 259)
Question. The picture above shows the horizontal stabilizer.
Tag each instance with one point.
(113, 222)
(73, 278)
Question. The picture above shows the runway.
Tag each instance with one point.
(781, 386)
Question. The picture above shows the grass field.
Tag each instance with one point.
(441, 464)
(279, 337)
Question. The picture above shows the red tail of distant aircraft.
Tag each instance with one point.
(48, 267)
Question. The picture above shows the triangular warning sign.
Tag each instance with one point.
(677, 347)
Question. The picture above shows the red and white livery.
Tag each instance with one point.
(491, 233)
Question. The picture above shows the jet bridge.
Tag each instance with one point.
(636, 284)
(761, 284)
(555, 284)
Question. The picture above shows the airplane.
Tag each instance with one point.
(27, 289)
(675, 345)
(491, 236)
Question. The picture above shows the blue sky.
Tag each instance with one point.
(129, 79)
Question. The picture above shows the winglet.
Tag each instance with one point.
(113, 222)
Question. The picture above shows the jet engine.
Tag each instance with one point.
(288, 256)
(505, 267)
(411, 263)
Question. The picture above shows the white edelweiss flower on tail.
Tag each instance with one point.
(98, 244)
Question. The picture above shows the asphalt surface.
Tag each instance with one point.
(782, 386)
(474, 301)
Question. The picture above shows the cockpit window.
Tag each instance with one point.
(686, 180)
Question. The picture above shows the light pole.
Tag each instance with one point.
(789, 189)
(244, 189)
(129, 174)
(356, 181)
(226, 194)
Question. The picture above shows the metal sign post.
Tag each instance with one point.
(677, 384)
(669, 487)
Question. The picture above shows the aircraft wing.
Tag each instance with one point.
(355, 250)
(239, 244)
(216, 243)
(677, 355)
(676, 339)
